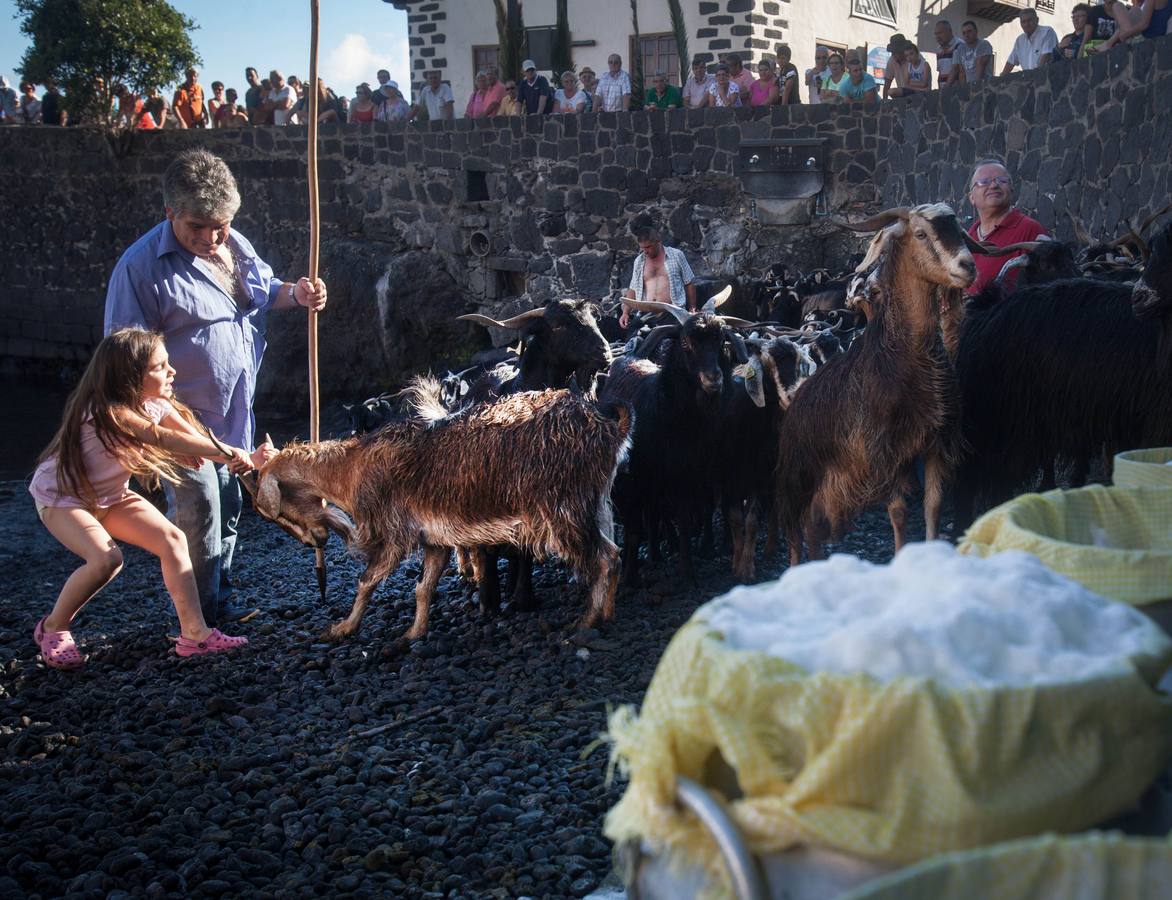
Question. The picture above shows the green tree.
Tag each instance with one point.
(510, 30)
(562, 59)
(681, 33)
(637, 62)
(88, 46)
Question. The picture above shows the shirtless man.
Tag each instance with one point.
(661, 273)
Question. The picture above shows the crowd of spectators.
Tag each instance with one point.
(835, 77)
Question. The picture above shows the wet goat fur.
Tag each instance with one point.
(855, 428)
(532, 470)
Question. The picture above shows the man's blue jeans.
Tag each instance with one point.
(206, 505)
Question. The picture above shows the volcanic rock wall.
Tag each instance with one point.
(498, 214)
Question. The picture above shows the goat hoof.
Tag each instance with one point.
(415, 634)
(334, 634)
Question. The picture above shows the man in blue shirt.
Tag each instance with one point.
(534, 91)
(204, 288)
(859, 85)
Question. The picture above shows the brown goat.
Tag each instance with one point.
(854, 430)
(532, 470)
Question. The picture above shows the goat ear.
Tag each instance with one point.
(754, 379)
(737, 344)
(267, 499)
(248, 481)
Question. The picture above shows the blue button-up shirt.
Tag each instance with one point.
(215, 346)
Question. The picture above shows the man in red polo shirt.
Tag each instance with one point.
(998, 223)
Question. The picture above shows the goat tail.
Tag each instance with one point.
(423, 397)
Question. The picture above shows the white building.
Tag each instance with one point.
(460, 36)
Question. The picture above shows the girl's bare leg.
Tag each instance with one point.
(137, 522)
(80, 533)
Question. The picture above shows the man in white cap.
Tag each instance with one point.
(533, 91)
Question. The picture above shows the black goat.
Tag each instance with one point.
(372, 413)
(561, 346)
(1063, 371)
(558, 340)
(669, 473)
(750, 416)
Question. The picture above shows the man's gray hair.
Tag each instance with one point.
(200, 184)
(989, 161)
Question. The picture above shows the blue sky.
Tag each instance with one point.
(358, 37)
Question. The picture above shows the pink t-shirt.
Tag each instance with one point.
(477, 104)
(495, 94)
(759, 92)
(110, 480)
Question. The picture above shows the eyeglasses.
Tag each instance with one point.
(997, 179)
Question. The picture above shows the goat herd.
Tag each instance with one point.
(827, 405)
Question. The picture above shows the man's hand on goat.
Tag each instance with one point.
(262, 454)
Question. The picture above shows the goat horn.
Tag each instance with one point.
(734, 322)
(1022, 247)
(1015, 263)
(654, 337)
(1026, 246)
(876, 222)
(1132, 237)
(680, 315)
(514, 322)
(216, 442)
(1150, 219)
(989, 250)
(1079, 231)
(718, 300)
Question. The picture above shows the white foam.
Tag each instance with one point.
(935, 613)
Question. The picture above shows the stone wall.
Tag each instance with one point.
(503, 213)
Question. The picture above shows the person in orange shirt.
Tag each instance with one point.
(188, 103)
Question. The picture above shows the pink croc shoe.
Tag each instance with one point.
(216, 642)
(57, 648)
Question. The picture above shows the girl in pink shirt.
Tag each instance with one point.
(122, 420)
(764, 91)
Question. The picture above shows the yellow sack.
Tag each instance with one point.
(894, 771)
(1143, 468)
(1091, 867)
(1131, 526)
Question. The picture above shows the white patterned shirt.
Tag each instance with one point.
(733, 98)
(679, 274)
(609, 91)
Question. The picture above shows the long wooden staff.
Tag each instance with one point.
(314, 241)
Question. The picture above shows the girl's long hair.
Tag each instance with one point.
(110, 386)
